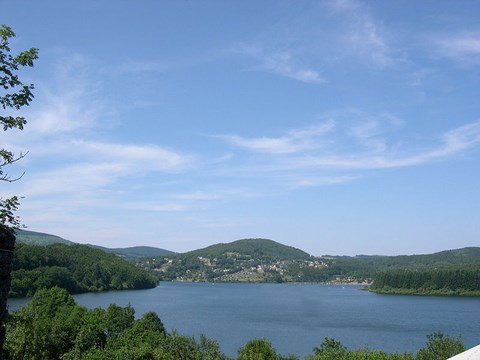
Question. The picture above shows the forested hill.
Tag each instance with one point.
(76, 268)
(468, 255)
(454, 280)
(450, 272)
(250, 248)
(129, 253)
(135, 252)
(38, 238)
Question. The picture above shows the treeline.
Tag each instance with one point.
(76, 268)
(458, 280)
(52, 326)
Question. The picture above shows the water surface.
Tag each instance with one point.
(297, 317)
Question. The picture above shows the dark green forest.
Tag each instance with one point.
(52, 326)
(455, 280)
(76, 268)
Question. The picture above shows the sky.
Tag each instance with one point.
(339, 127)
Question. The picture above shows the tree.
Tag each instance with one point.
(440, 347)
(257, 349)
(46, 327)
(330, 349)
(13, 96)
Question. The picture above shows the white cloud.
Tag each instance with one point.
(61, 114)
(453, 142)
(343, 5)
(463, 48)
(324, 180)
(142, 157)
(294, 141)
(197, 195)
(77, 179)
(370, 150)
(362, 37)
(72, 165)
(365, 39)
(282, 63)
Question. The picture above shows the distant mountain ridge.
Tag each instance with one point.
(42, 239)
(135, 252)
(264, 247)
(37, 238)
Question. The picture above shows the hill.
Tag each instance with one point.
(252, 260)
(372, 264)
(261, 260)
(135, 252)
(76, 268)
(38, 238)
(128, 253)
(253, 248)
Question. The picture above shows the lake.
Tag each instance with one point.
(297, 317)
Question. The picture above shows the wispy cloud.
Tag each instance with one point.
(324, 180)
(452, 143)
(363, 37)
(144, 157)
(294, 141)
(344, 5)
(66, 157)
(282, 63)
(371, 148)
(463, 48)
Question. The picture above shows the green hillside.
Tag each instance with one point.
(454, 280)
(76, 268)
(370, 265)
(129, 253)
(38, 238)
(135, 252)
(254, 248)
(251, 260)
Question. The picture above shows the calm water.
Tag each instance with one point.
(296, 317)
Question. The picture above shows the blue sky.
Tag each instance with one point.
(338, 127)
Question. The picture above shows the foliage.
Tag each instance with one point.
(257, 349)
(330, 349)
(13, 96)
(77, 268)
(53, 326)
(440, 347)
(455, 280)
(45, 328)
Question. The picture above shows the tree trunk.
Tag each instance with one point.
(7, 245)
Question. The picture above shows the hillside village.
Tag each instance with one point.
(234, 267)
